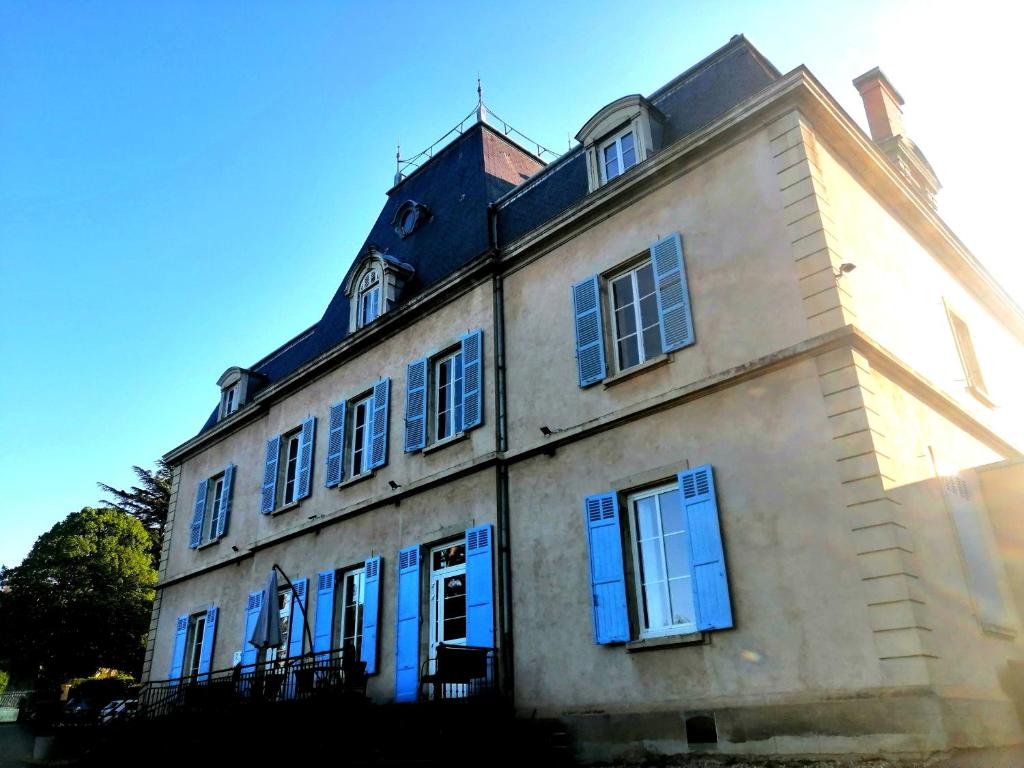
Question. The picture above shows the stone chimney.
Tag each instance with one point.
(882, 103)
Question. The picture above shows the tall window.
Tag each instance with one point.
(448, 395)
(448, 595)
(360, 451)
(284, 616)
(350, 617)
(194, 644)
(213, 512)
(229, 401)
(368, 298)
(635, 309)
(618, 154)
(968, 355)
(290, 466)
(661, 553)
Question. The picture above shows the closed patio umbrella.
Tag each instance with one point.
(267, 632)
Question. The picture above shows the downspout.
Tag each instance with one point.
(507, 665)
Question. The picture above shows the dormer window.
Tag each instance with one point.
(235, 387)
(409, 217)
(369, 297)
(229, 400)
(619, 136)
(373, 285)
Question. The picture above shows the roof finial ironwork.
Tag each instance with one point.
(398, 161)
(481, 109)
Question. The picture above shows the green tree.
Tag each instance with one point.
(81, 599)
(148, 501)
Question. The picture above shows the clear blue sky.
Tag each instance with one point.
(183, 185)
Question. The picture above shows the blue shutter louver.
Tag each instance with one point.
(209, 638)
(252, 613)
(297, 621)
(335, 446)
(416, 406)
(379, 424)
(305, 469)
(269, 498)
(586, 303)
(472, 380)
(479, 587)
(198, 513)
(371, 612)
(178, 651)
(407, 640)
(225, 500)
(607, 575)
(707, 556)
(324, 625)
(673, 293)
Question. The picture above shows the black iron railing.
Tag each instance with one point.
(292, 679)
(458, 672)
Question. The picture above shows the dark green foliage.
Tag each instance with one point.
(81, 599)
(4, 679)
(148, 501)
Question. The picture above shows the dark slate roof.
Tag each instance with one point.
(695, 98)
(457, 185)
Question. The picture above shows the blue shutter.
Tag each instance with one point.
(270, 475)
(252, 613)
(707, 557)
(297, 622)
(586, 304)
(407, 640)
(479, 587)
(178, 652)
(335, 446)
(472, 380)
(324, 626)
(416, 406)
(225, 500)
(306, 457)
(673, 294)
(196, 534)
(607, 577)
(371, 611)
(209, 637)
(379, 423)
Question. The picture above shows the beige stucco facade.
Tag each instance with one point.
(828, 407)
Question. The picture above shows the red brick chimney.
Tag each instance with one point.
(882, 104)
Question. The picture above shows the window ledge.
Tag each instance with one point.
(667, 641)
(998, 630)
(209, 543)
(356, 479)
(436, 446)
(287, 507)
(636, 370)
(981, 396)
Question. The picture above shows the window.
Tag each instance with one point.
(968, 356)
(235, 386)
(447, 396)
(661, 562)
(647, 307)
(634, 310)
(448, 595)
(678, 577)
(358, 438)
(212, 508)
(229, 400)
(284, 618)
(287, 470)
(349, 615)
(368, 306)
(347, 603)
(192, 655)
(444, 394)
(617, 155)
(194, 644)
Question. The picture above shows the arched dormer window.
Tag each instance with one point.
(235, 387)
(619, 136)
(373, 286)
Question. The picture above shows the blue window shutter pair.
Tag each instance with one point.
(269, 498)
(209, 638)
(479, 587)
(371, 613)
(196, 532)
(407, 643)
(472, 348)
(416, 406)
(379, 423)
(676, 319)
(335, 446)
(305, 468)
(297, 621)
(178, 652)
(707, 558)
(225, 501)
(324, 612)
(252, 613)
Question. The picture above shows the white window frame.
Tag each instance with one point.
(968, 354)
(364, 449)
(436, 608)
(341, 629)
(631, 270)
(194, 645)
(450, 400)
(213, 508)
(292, 438)
(634, 537)
(616, 141)
(284, 618)
(369, 289)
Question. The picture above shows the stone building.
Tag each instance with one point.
(711, 429)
